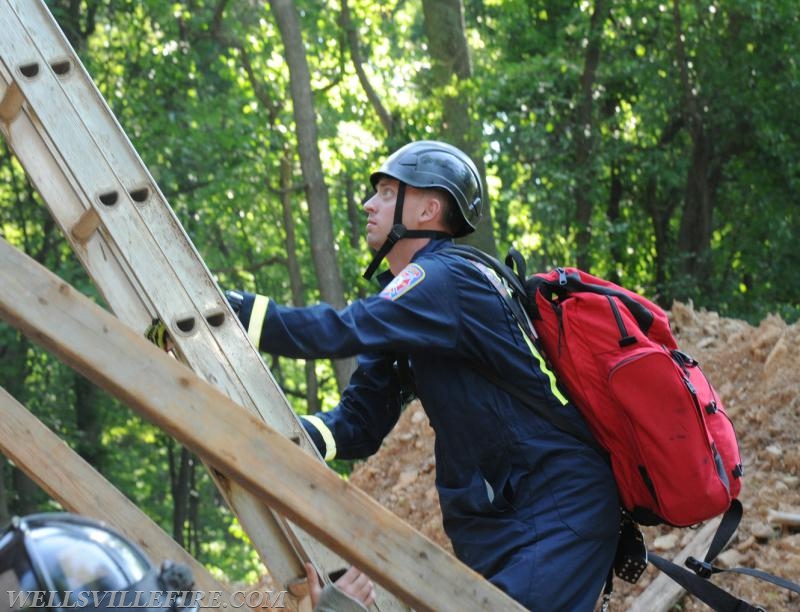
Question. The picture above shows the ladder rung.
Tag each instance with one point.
(87, 225)
(11, 103)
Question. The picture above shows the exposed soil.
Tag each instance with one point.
(756, 371)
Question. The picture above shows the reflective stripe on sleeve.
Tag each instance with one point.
(546, 370)
(257, 319)
(327, 436)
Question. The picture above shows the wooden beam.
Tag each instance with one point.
(78, 487)
(235, 442)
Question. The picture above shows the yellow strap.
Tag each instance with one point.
(257, 319)
(547, 371)
(327, 436)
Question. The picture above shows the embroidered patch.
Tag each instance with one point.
(409, 276)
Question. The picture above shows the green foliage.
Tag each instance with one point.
(204, 97)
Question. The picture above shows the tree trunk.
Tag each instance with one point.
(447, 40)
(27, 493)
(180, 469)
(295, 277)
(88, 422)
(323, 252)
(584, 137)
(5, 513)
(660, 222)
(355, 212)
(193, 535)
(660, 207)
(694, 238)
(613, 216)
(353, 45)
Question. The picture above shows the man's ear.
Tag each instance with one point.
(433, 209)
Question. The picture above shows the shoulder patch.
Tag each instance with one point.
(409, 277)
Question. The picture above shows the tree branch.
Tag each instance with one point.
(358, 63)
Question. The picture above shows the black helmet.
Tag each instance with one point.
(429, 164)
(61, 561)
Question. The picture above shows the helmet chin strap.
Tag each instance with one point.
(398, 232)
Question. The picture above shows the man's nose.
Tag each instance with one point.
(369, 203)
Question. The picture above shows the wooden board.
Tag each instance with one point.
(78, 487)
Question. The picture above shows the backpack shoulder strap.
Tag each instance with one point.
(514, 278)
(513, 275)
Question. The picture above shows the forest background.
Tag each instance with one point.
(653, 142)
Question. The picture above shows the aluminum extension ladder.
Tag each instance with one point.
(135, 250)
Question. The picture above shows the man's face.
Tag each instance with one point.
(380, 211)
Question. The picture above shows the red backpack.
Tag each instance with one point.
(672, 447)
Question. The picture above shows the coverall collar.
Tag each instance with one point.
(385, 277)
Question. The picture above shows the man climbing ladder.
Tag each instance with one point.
(532, 508)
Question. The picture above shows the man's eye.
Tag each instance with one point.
(387, 192)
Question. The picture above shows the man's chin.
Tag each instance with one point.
(374, 242)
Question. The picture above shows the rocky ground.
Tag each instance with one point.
(756, 371)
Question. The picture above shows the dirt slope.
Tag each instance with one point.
(757, 372)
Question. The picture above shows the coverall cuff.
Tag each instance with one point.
(256, 323)
(321, 436)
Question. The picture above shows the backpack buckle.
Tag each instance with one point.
(701, 568)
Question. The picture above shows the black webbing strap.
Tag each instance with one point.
(516, 280)
(708, 592)
(398, 232)
(696, 580)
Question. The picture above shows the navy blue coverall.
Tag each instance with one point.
(530, 507)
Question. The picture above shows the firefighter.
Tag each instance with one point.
(530, 507)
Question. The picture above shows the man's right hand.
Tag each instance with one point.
(157, 334)
(235, 299)
(353, 584)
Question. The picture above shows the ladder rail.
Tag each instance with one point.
(120, 225)
(34, 147)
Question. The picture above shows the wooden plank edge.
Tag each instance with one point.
(69, 479)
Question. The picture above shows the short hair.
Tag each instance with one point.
(451, 214)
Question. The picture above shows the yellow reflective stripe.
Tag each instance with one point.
(547, 371)
(257, 319)
(327, 436)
